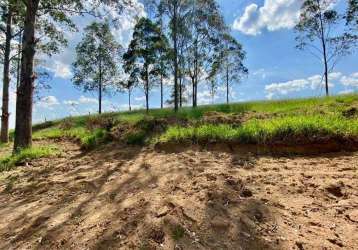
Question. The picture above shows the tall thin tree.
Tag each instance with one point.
(95, 66)
(317, 20)
(57, 11)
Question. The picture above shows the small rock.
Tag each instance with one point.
(353, 216)
(162, 212)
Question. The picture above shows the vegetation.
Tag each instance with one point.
(26, 155)
(287, 122)
(300, 120)
(317, 19)
(145, 47)
(95, 67)
(188, 41)
(279, 130)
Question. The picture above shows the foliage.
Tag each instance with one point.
(302, 128)
(25, 155)
(95, 66)
(317, 19)
(228, 62)
(352, 13)
(144, 51)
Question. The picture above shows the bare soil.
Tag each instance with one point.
(121, 197)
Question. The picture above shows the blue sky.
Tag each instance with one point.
(265, 28)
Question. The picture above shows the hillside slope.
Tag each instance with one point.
(217, 177)
(137, 198)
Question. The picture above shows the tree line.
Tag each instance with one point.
(180, 40)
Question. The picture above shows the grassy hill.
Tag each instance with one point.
(162, 180)
(288, 122)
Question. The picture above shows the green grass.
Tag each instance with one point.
(9, 162)
(332, 105)
(88, 139)
(282, 120)
(286, 129)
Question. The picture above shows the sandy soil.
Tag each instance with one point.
(121, 197)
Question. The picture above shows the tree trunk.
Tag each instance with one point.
(227, 84)
(129, 100)
(323, 40)
(6, 80)
(18, 70)
(147, 89)
(325, 68)
(161, 91)
(24, 101)
(193, 86)
(195, 104)
(100, 88)
(180, 90)
(175, 41)
(100, 98)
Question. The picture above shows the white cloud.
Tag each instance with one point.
(48, 102)
(71, 102)
(273, 15)
(314, 82)
(345, 92)
(351, 81)
(60, 69)
(284, 88)
(140, 98)
(87, 100)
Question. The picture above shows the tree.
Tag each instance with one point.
(9, 26)
(143, 55)
(176, 11)
(317, 20)
(95, 66)
(56, 11)
(204, 26)
(229, 62)
(163, 62)
(352, 13)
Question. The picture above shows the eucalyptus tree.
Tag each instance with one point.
(317, 20)
(162, 64)
(205, 25)
(57, 12)
(228, 63)
(10, 27)
(352, 13)
(95, 67)
(141, 59)
(176, 11)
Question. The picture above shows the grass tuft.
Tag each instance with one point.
(285, 129)
(25, 155)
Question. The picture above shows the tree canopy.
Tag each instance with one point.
(95, 68)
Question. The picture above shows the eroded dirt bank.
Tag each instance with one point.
(137, 198)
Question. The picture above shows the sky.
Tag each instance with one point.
(265, 29)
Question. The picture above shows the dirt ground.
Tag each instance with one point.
(121, 197)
